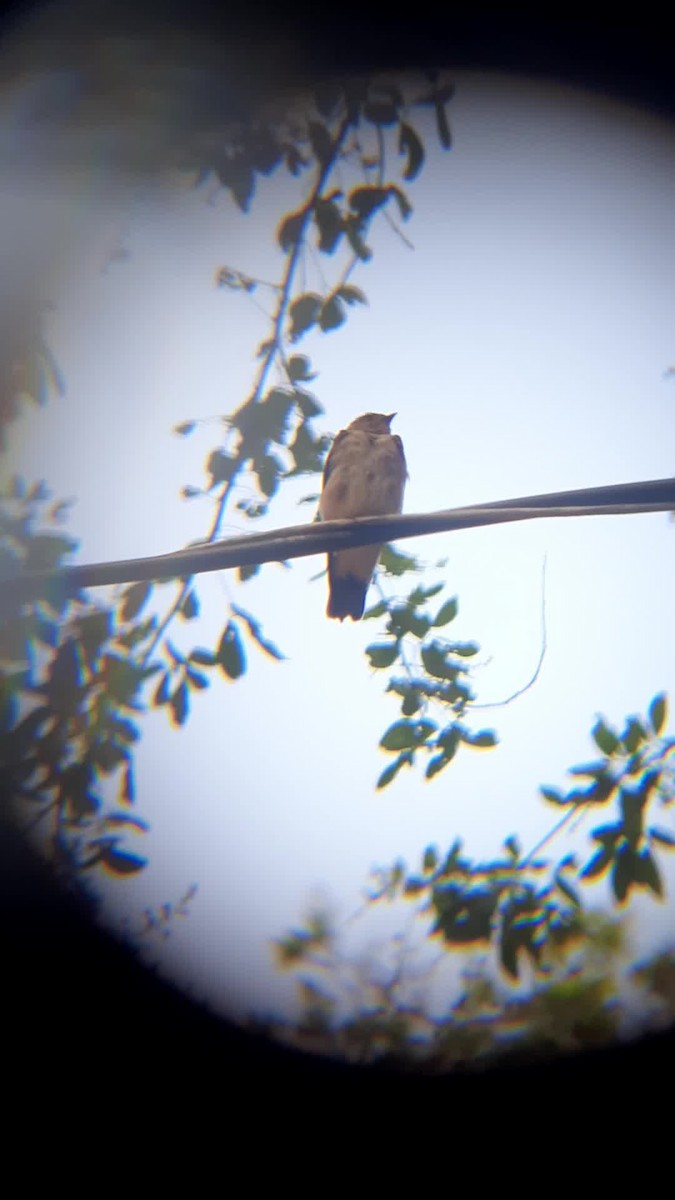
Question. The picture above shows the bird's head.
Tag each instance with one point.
(373, 422)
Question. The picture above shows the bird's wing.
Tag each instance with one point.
(331, 460)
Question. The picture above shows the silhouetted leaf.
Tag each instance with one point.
(231, 655)
(309, 406)
(255, 631)
(658, 712)
(161, 695)
(352, 226)
(303, 313)
(134, 598)
(184, 428)
(598, 863)
(205, 658)
(180, 704)
(410, 144)
(248, 571)
(45, 551)
(220, 466)
(664, 836)
(329, 222)
(553, 795)
(351, 294)
(190, 606)
(299, 369)
(443, 127)
(290, 230)
(380, 112)
(119, 862)
(332, 314)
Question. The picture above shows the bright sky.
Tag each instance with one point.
(523, 343)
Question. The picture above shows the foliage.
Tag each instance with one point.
(434, 672)
(381, 1009)
(80, 672)
(523, 914)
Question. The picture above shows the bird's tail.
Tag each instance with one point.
(346, 596)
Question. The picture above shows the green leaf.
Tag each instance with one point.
(382, 654)
(658, 712)
(133, 600)
(189, 609)
(434, 662)
(231, 654)
(376, 611)
(290, 230)
(303, 314)
(394, 562)
(634, 735)
(446, 613)
(390, 772)
(437, 763)
(412, 702)
(481, 741)
(410, 144)
(332, 314)
(406, 735)
(605, 738)
(464, 649)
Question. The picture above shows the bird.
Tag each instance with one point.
(364, 476)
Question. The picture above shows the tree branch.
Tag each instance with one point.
(299, 541)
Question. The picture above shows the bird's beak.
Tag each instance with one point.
(390, 418)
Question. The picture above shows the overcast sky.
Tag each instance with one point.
(523, 344)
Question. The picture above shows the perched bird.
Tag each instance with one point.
(364, 476)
